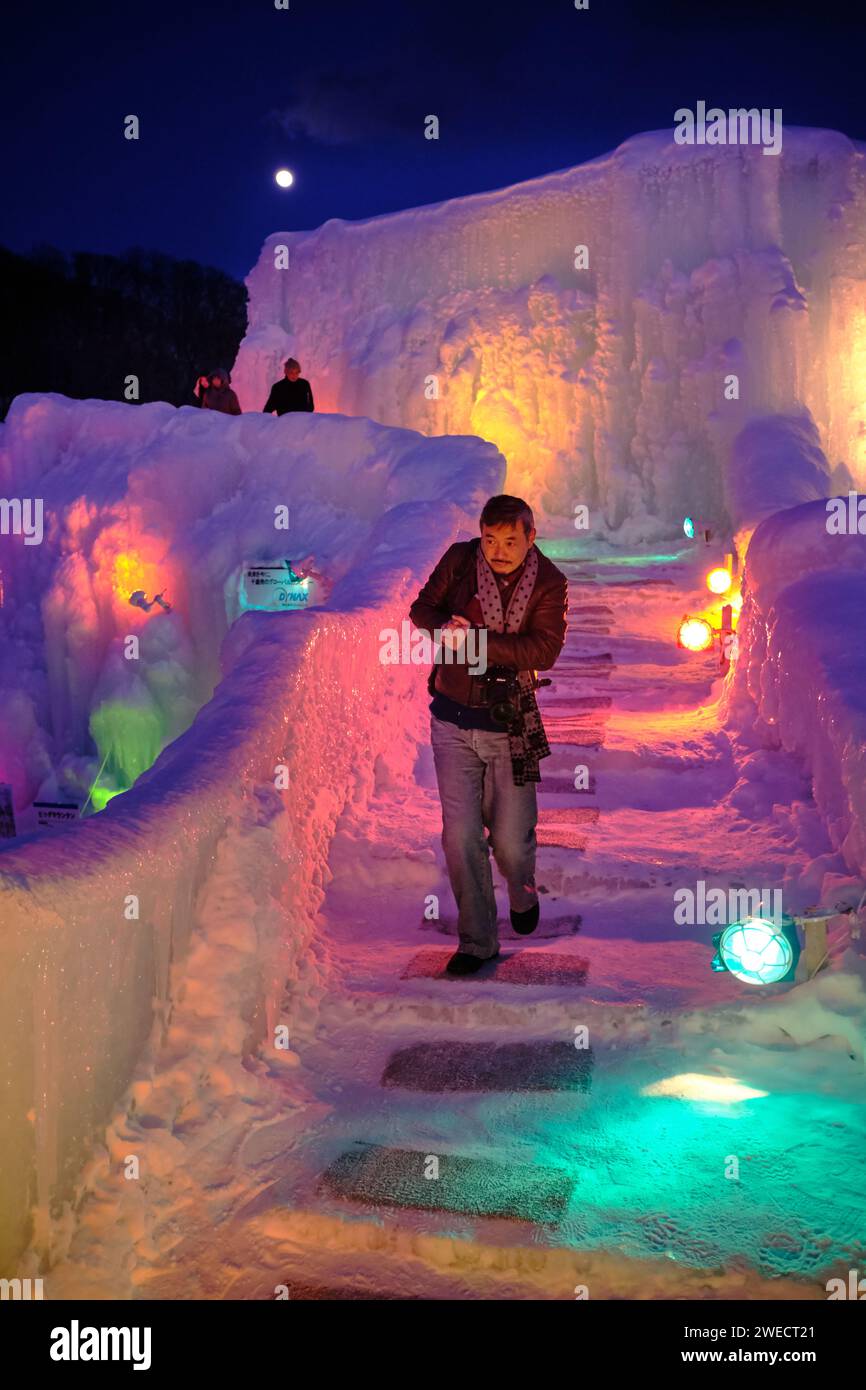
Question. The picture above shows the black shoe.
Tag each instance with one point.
(461, 963)
(526, 922)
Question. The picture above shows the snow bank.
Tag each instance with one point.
(156, 499)
(775, 463)
(604, 384)
(95, 919)
(802, 659)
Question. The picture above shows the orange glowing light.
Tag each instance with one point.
(695, 634)
(128, 573)
(718, 581)
(127, 558)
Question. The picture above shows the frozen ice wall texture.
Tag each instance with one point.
(221, 863)
(156, 499)
(802, 662)
(602, 385)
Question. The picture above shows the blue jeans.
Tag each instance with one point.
(476, 789)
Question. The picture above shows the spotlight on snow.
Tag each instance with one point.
(757, 951)
(284, 177)
(718, 581)
(689, 527)
(693, 1085)
(695, 634)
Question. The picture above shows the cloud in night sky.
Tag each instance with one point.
(346, 108)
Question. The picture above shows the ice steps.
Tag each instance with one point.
(565, 729)
(526, 967)
(565, 828)
(566, 924)
(446, 1065)
(378, 1176)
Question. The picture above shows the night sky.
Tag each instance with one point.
(228, 92)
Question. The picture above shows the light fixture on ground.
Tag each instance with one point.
(692, 528)
(761, 951)
(719, 580)
(695, 634)
(758, 951)
(698, 635)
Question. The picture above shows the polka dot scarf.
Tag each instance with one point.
(528, 744)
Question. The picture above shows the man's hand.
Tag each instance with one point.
(454, 631)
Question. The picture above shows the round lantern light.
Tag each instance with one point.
(718, 581)
(695, 634)
(758, 951)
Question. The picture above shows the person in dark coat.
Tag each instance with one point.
(486, 729)
(214, 393)
(292, 393)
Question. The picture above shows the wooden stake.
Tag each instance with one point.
(816, 946)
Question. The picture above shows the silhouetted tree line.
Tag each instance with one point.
(81, 323)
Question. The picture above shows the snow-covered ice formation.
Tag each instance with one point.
(802, 662)
(193, 897)
(94, 918)
(776, 462)
(605, 384)
(801, 668)
(159, 500)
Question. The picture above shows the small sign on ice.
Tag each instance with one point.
(273, 587)
(53, 812)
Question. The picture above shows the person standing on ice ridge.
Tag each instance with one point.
(485, 729)
(214, 393)
(292, 393)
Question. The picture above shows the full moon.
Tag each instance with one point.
(285, 178)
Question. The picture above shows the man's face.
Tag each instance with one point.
(505, 547)
(292, 373)
(217, 383)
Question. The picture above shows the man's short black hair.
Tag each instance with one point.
(507, 511)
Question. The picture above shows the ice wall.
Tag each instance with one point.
(802, 659)
(603, 385)
(157, 499)
(96, 920)
(776, 462)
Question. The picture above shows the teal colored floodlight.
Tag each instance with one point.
(689, 528)
(758, 951)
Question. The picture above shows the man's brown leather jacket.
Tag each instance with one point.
(451, 588)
